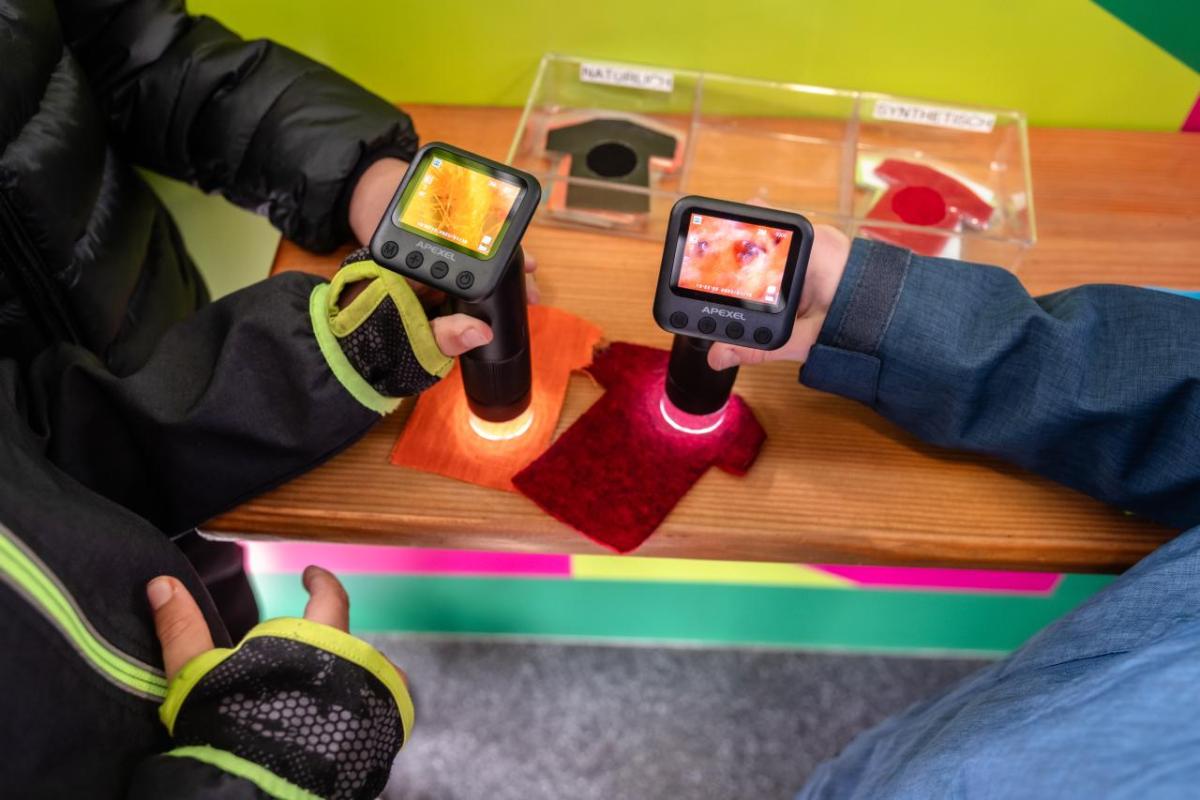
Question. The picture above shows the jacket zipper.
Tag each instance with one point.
(26, 573)
(23, 265)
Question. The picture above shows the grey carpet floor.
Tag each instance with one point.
(500, 720)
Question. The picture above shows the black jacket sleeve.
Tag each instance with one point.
(297, 708)
(1096, 387)
(235, 399)
(270, 129)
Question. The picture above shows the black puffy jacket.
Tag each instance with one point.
(90, 88)
(128, 413)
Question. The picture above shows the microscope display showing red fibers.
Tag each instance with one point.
(619, 470)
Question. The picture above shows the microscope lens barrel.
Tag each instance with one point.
(692, 386)
(497, 376)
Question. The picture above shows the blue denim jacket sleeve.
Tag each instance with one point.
(1096, 387)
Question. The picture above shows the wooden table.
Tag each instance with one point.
(835, 483)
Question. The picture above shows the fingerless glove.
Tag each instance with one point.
(296, 705)
(380, 346)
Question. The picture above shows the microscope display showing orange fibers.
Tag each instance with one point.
(731, 258)
(459, 205)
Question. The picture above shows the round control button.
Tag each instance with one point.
(414, 259)
(734, 330)
(707, 325)
(679, 320)
(763, 335)
(465, 279)
(439, 269)
(389, 249)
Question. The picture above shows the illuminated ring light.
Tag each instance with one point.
(502, 431)
(690, 423)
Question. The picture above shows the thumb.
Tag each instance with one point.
(722, 356)
(458, 333)
(181, 628)
(328, 602)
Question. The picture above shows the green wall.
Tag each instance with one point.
(1064, 62)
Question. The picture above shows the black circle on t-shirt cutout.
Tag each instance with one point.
(612, 159)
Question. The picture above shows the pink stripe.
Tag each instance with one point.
(1192, 123)
(960, 579)
(289, 557)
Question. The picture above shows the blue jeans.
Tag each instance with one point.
(1098, 388)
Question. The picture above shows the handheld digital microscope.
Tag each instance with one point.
(455, 224)
(730, 273)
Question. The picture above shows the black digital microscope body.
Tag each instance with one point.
(730, 273)
(455, 224)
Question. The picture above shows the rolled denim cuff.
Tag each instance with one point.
(845, 359)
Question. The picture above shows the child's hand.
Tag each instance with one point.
(371, 196)
(826, 264)
(369, 202)
(184, 634)
(301, 698)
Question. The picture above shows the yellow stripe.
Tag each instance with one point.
(61, 609)
(684, 570)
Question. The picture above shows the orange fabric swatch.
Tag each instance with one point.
(438, 438)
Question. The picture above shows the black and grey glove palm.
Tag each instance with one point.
(301, 710)
(380, 346)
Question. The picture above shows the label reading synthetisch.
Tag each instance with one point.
(938, 116)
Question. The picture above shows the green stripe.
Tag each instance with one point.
(264, 779)
(1173, 25)
(42, 590)
(859, 619)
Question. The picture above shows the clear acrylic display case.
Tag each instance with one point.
(819, 151)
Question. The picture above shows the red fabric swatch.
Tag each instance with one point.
(619, 470)
(921, 195)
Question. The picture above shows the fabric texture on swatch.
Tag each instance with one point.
(438, 437)
(618, 472)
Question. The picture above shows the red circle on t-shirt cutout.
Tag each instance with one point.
(919, 205)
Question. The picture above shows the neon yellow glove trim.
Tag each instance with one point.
(341, 367)
(263, 778)
(307, 632)
(385, 283)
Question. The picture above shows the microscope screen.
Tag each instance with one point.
(735, 259)
(460, 203)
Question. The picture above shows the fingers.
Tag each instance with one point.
(328, 602)
(532, 293)
(724, 356)
(530, 262)
(826, 265)
(181, 628)
(804, 336)
(458, 333)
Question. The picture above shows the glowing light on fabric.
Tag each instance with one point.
(617, 472)
(690, 423)
(502, 431)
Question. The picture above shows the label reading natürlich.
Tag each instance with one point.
(937, 116)
(630, 77)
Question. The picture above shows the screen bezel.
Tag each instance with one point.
(785, 289)
(418, 173)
